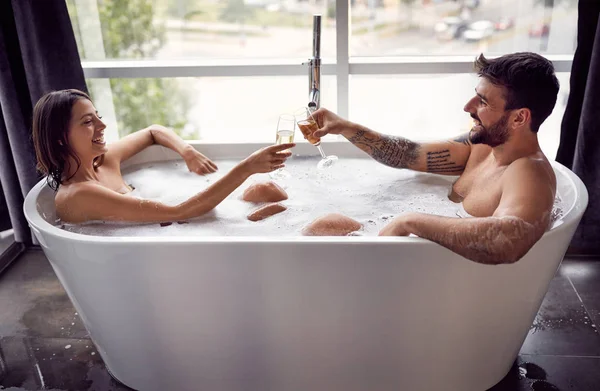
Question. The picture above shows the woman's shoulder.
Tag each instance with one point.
(67, 193)
(73, 199)
(67, 189)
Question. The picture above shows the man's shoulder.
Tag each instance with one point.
(531, 169)
(532, 164)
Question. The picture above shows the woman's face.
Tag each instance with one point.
(86, 131)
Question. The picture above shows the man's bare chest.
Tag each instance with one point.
(480, 189)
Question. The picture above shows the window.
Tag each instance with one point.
(223, 70)
(459, 27)
(215, 110)
(410, 109)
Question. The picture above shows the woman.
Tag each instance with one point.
(69, 142)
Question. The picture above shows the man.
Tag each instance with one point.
(505, 181)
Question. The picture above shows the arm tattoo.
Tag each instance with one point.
(392, 151)
(492, 240)
(463, 139)
(487, 240)
(438, 162)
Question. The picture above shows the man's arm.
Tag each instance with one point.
(445, 157)
(487, 240)
(517, 224)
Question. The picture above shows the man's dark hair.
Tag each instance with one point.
(529, 81)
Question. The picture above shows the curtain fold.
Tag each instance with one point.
(579, 147)
(38, 54)
(4, 217)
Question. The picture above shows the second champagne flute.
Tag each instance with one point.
(286, 126)
(308, 125)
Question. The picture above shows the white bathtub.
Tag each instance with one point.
(309, 313)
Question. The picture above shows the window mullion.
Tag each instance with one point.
(342, 27)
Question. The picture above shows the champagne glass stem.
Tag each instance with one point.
(321, 151)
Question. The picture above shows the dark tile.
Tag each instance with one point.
(38, 304)
(54, 363)
(562, 325)
(548, 373)
(585, 276)
(566, 373)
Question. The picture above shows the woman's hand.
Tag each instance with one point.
(268, 159)
(197, 162)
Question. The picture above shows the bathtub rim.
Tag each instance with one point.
(38, 223)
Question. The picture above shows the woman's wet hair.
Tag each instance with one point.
(529, 80)
(51, 118)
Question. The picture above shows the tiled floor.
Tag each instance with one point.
(43, 344)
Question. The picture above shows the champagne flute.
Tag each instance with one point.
(286, 127)
(308, 125)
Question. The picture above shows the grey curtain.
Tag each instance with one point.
(4, 217)
(38, 54)
(579, 147)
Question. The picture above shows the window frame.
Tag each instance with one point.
(343, 67)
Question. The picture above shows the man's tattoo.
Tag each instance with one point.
(438, 162)
(392, 151)
(463, 139)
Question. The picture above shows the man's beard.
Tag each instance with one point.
(496, 134)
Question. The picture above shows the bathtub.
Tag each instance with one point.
(308, 313)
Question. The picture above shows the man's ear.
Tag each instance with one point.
(522, 117)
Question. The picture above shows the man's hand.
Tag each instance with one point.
(329, 123)
(397, 227)
(198, 163)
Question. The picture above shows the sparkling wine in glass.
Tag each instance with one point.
(308, 125)
(286, 128)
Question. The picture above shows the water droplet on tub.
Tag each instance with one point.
(68, 347)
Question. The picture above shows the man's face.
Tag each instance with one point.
(487, 110)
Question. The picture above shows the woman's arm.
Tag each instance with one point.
(91, 201)
(156, 134)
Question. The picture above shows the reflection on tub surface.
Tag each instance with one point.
(360, 189)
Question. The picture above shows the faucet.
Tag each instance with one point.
(314, 67)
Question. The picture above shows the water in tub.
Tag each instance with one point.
(361, 189)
